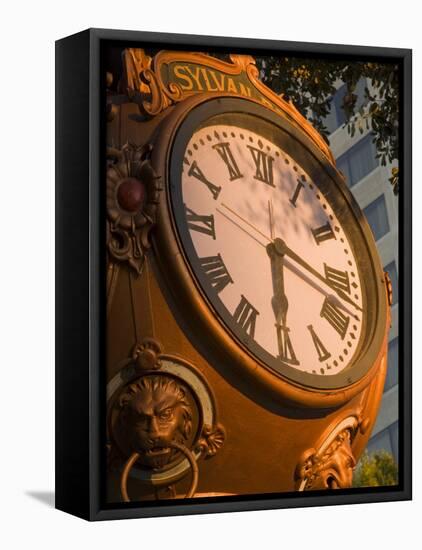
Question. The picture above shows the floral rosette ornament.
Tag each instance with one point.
(133, 191)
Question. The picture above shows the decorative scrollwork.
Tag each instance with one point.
(332, 469)
(161, 96)
(151, 83)
(134, 62)
(133, 191)
(330, 465)
(158, 100)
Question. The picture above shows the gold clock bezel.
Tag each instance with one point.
(200, 317)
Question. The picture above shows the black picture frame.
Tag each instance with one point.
(80, 284)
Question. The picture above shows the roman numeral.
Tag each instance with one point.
(285, 347)
(263, 166)
(216, 272)
(337, 319)
(197, 173)
(245, 316)
(338, 280)
(323, 354)
(323, 233)
(223, 149)
(202, 224)
(296, 193)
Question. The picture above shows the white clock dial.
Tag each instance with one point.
(269, 248)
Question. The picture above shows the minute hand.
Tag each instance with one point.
(284, 249)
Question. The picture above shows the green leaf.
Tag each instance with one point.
(376, 470)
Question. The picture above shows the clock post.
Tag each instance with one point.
(247, 310)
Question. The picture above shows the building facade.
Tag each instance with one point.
(368, 181)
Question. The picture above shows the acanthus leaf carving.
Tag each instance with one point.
(332, 469)
(331, 464)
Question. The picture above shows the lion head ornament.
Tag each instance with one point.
(154, 411)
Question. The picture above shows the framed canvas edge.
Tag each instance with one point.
(405, 267)
(250, 505)
(225, 42)
(72, 416)
(96, 511)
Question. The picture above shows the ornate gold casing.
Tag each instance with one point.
(250, 430)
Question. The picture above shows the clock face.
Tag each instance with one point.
(270, 249)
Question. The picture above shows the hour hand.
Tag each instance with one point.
(279, 300)
(280, 305)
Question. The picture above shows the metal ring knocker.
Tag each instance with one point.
(134, 457)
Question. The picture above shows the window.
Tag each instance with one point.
(392, 377)
(386, 440)
(340, 115)
(392, 271)
(337, 116)
(394, 436)
(376, 214)
(380, 442)
(358, 161)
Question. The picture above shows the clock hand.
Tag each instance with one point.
(280, 306)
(271, 214)
(312, 282)
(245, 221)
(230, 219)
(283, 249)
(279, 300)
